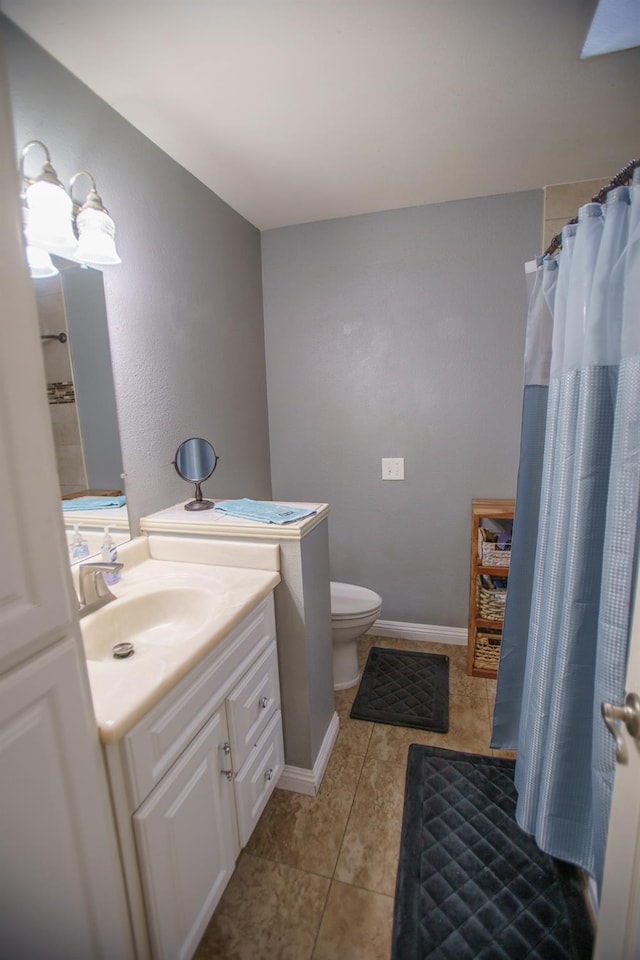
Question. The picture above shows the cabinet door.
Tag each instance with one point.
(186, 836)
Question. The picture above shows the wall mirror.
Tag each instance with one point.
(82, 405)
(195, 461)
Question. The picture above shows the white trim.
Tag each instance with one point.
(303, 780)
(418, 631)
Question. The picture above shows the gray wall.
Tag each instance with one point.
(400, 334)
(185, 306)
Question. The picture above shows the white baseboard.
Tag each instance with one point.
(303, 780)
(418, 631)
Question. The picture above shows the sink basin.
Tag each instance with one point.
(155, 618)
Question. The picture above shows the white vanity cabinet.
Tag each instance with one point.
(190, 781)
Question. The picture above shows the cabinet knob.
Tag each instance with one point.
(227, 773)
(264, 702)
(269, 774)
(226, 749)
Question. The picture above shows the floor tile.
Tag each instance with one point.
(344, 700)
(391, 744)
(469, 731)
(306, 832)
(356, 925)
(455, 651)
(370, 848)
(354, 735)
(462, 685)
(364, 645)
(268, 912)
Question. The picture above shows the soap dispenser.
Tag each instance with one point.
(79, 547)
(109, 554)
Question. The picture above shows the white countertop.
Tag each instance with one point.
(124, 690)
(176, 519)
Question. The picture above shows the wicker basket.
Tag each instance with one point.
(492, 556)
(491, 601)
(486, 653)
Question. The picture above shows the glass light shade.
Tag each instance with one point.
(50, 211)
(40, 263)
(96, 243)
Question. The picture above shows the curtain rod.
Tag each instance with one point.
(619, 180)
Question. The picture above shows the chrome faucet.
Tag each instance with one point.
(94, 592)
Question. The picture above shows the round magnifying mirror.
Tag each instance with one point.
(195, 461)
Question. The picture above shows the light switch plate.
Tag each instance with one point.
(393, 468)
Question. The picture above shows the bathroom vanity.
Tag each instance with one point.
(303, 617)
(224, 615)
(190, 725)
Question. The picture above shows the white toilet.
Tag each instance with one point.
(353, 611)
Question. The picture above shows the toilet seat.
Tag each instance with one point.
(350, 602)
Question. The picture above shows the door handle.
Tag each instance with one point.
(629, 714)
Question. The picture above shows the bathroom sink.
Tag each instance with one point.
(153, 619)
(174, 613)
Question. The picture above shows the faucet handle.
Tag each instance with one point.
(92, 585)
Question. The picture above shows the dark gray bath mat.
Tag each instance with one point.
(471, 884)
(404, 688)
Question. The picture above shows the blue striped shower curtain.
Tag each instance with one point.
(575, 533)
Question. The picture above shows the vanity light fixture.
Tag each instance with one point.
(49, 224)
(96, 229)
(55, 222)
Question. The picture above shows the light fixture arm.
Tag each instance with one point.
(93, 200)
(48, 175)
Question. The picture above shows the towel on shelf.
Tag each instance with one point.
(92, 503)
(263, 512)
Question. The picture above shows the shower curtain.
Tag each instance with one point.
(575, 533)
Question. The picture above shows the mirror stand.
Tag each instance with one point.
(199, 503)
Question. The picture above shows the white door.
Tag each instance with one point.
(619, 920)
(61, 887)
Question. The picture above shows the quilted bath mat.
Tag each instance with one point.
(404, 688)
(471, 884)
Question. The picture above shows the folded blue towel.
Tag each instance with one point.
(92, 503)
(262, 511)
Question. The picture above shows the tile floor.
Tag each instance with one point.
(317, 879)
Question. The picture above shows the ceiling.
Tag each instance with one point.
(303, 110)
